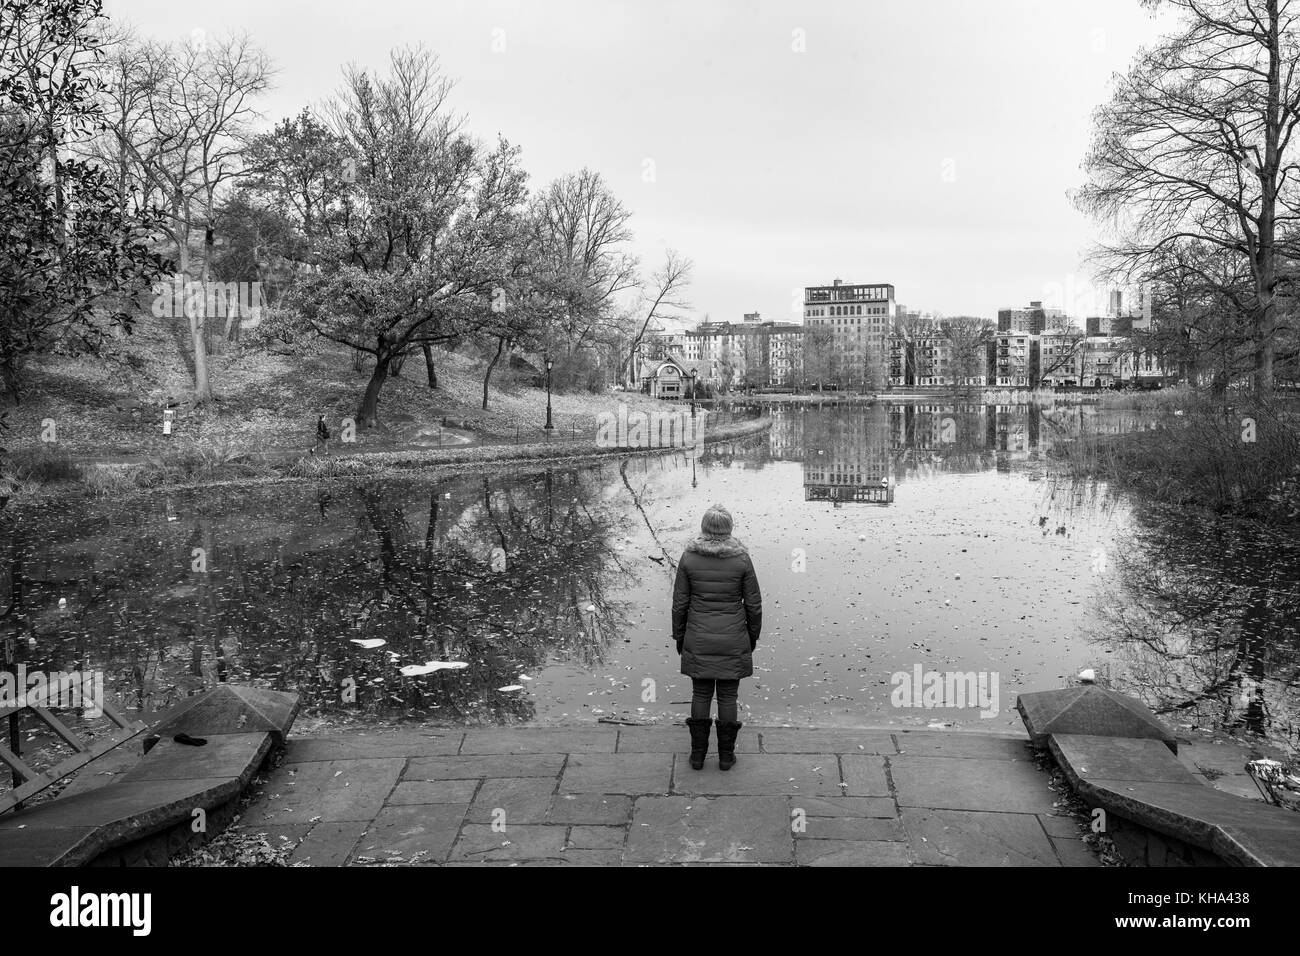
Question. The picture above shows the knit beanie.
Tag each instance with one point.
(717, 522)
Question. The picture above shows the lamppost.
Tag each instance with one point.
(548, 426)
(694, 374)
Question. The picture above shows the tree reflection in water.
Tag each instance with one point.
(290, 585)
(1204, 619)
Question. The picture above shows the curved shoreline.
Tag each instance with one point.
(431, 462)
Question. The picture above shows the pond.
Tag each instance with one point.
(552, 587)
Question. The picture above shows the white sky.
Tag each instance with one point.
(773, 169)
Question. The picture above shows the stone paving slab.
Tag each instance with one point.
(765, 774)
(407, 831)
(782, 741)
(482, 843)
(437, 791)
(597, 838)
(971, 783)
(880, 807)
(334, 791)
(852, 853)
(864, 776)
(957, 838)
(956, 744)
(329, 844)
(472, 768)
(590, 808)
(850, 828)
(539, 740)
(365, 746)
(513, 800)
(1066, 826)
(1075, 853)
(729, 829)
(617, 773)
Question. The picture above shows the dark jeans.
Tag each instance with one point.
(702, 691)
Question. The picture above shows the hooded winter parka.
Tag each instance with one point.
(717, 609)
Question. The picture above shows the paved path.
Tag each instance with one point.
(611, 796)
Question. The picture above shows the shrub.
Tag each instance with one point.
(1201, 453)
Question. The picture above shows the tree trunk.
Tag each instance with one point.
(368, 412)
(501, 344)
(428, 365)
(1266, 316)
(202, 387)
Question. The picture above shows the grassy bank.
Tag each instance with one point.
(1240, 458)
(105, 415)
(111, 406)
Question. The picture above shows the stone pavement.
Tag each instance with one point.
(627, 796)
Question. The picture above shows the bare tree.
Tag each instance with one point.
(1196, 143)
(583, 230)
(969, 337)
(1061, 348)
(663, 297)
(179, 120)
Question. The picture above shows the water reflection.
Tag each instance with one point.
(1203, 622)
(557, 582)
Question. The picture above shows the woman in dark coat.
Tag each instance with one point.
(717, 616)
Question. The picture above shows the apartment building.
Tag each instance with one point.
(1033, 318)
(859, 317)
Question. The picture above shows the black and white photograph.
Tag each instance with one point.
(737, 435)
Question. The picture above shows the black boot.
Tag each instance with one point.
(727, 730)
(699, 727)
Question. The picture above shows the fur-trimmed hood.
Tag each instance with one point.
(727, 547)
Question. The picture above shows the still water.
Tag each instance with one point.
(886, 539)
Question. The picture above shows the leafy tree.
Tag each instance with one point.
(428, 228)
(73, 250)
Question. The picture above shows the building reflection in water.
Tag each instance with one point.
(861, 454)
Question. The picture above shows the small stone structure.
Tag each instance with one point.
(147, 813)
(1118, 756)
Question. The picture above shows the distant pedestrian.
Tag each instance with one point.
(717, 617)
(322, 436)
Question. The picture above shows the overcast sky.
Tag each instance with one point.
(930, 145)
